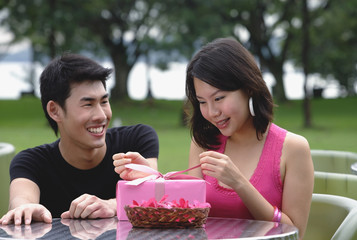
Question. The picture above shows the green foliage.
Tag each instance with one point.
(164, 31)
(23, 124)
(333, 37)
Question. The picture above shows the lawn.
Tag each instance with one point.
(22, 123)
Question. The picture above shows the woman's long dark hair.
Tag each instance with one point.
(225, 64)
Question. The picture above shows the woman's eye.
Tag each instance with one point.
(218, 98)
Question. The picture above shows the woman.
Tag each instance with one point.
(253, 168)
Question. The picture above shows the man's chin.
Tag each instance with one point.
(98, 144)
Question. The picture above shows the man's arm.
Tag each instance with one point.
(24, 204)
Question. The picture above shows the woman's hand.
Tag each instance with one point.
(121, 159)
(220, 166)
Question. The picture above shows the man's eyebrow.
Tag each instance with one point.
(105, 96)
(88, 99)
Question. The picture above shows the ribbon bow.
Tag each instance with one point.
(156, 174)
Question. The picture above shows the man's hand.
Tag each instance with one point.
(32, 231)
(89, 229)
(27, 213)
(121, 159)
(90, 206)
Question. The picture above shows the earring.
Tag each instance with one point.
(251, 108)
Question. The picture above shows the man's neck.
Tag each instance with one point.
(82, 158)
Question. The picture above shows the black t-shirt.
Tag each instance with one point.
(60, 183)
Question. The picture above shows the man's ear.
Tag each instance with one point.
(54, 110)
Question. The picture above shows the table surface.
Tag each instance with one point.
(215, 228)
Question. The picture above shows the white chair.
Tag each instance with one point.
(332, 217)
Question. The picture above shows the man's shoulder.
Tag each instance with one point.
(41, 150)
(131, 135)
(32, 162)
(130, 129)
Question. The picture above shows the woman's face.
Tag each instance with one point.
(227, 110)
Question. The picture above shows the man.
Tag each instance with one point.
(74, 176)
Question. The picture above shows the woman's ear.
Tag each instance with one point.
(54, 111)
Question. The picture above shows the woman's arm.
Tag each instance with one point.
(298, 182)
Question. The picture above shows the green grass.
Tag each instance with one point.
(22, 123)
(334, 123)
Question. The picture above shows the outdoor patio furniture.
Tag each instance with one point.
(333, 173)
(333, 161)
(332, 217)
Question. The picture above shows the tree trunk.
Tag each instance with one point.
(121, 73)
(149, 96)
(305, 62)
(51, 36)
(278, 88)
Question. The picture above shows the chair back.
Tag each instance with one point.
(333, 161)
(333, 174)
(332, 217)
(336, 184)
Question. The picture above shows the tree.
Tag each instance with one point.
(269, 26)
(46, 23)
(333, 42)
(193, 23)
(305, 61)
(41, 23)
(124, 29)
(120, 29)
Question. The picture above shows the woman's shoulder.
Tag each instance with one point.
(292, 141)
(296, 142)
(296, 151)
(295, 146)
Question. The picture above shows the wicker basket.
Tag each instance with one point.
(149, 217)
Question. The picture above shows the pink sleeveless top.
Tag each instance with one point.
(266, 179)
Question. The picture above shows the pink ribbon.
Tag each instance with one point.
(156, 174)
(158, 177)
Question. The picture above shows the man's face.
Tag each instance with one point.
(87, 115)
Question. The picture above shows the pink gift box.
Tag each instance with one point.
(188, 189)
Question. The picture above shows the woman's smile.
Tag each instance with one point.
(222, 123)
